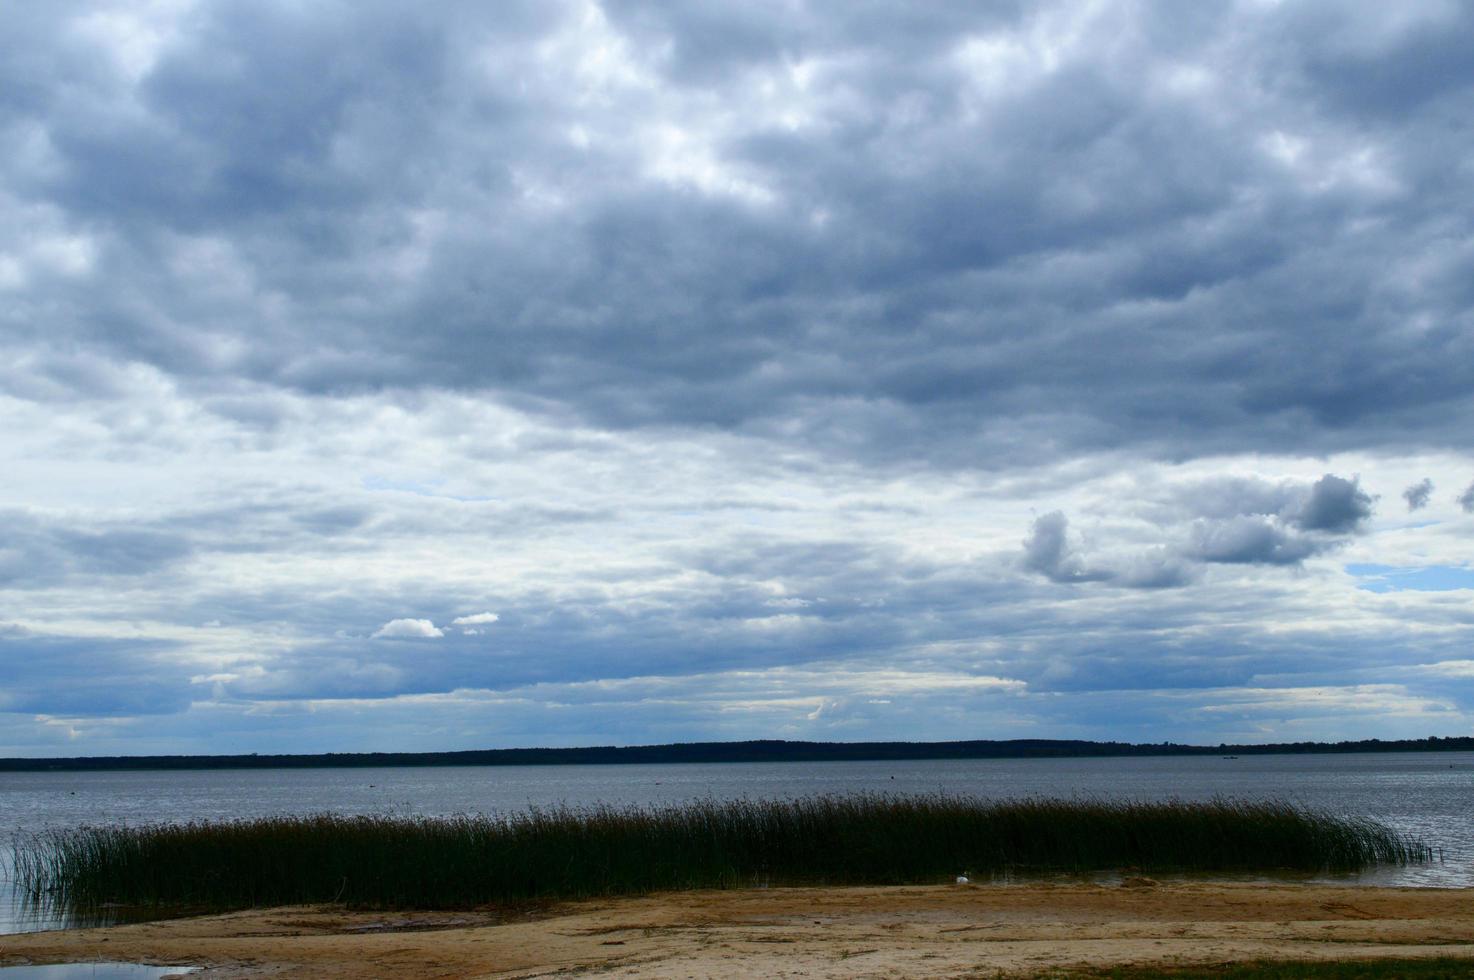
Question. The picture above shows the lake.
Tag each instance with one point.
(1428, 794)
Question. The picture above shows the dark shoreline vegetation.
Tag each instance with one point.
(761, 750)
(423, 862)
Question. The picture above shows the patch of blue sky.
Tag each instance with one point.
(429, 489)
(1417, 578)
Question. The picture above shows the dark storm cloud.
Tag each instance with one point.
(1156, 230)
(1418, 494)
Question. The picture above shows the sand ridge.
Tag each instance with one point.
(953, 930)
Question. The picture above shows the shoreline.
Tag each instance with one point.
(740, 752)
(905, 931)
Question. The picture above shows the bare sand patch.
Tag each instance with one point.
(953, 930)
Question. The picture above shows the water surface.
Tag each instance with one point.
(92, 971)
(1428, 794)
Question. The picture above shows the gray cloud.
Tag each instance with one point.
(1047, 550)
(75, 675)
(1228, 521)
(725, 347)
(1334, 504)
(920, 265)
(1466, 499)
(1248, 540)
(38, 551)
(1331, 504)
(1418, 494)
(1157, 568)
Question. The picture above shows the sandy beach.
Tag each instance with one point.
(965, 930)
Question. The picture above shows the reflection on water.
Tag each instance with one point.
(19, 913)
(92, 971)
(1429, 795)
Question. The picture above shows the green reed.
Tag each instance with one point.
(564, 852)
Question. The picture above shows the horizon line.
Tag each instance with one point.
(748, 750)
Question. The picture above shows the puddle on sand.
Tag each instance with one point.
(93, 971)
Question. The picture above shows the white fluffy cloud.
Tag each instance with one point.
(405, 629)
(477, 619)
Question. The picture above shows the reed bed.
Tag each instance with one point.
(563, 852)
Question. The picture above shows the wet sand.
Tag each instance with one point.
(961, 930)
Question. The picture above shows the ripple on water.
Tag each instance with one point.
(93, 971)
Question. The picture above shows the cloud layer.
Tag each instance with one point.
(806, 368)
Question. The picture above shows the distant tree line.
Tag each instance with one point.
(763, 750)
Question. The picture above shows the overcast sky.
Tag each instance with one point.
(383, 376)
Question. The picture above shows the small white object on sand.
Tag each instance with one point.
(962, 879)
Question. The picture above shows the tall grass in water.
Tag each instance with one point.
(563, 852)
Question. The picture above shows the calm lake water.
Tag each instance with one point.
(1427, 794)
(93, 971)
